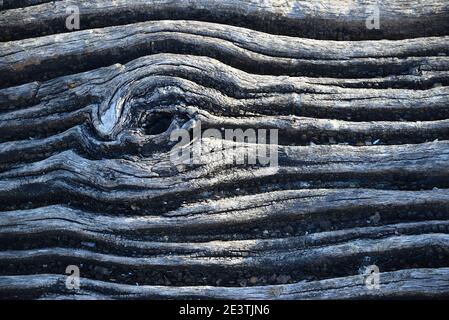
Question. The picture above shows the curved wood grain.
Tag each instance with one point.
(87, 178)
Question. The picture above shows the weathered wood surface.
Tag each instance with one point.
(35, 59)
(363, 153)
(11, 4)
(325, 19)
(423, 282)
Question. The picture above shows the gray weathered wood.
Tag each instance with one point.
(412, 283)
(324, 19)
(246, 49)
(86, 176)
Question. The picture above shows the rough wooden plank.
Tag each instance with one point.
(220, 89)
(12, 4)
(246, 49)
(86, 176)
(412, 283)
(143, 180)
(325, 19)
(307, 205)
(308, 261)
